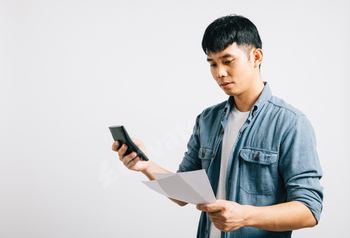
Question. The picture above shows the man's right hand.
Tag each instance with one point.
(131, 161)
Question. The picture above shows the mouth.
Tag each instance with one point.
(224, 85)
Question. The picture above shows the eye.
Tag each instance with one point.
(228, 61)
(212, 65)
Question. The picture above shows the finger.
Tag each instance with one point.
(201, 207)
(215, 216)
(122, 151)
(132, 162)
(115, 146)
(133, 158)
(127, 159)
(212, 207)
(212, 218)
(218, 225)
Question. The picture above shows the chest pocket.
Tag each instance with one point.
(206, 156)
(258, 171)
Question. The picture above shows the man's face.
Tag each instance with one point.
(233, 70)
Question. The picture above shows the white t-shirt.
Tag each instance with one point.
(236, 119)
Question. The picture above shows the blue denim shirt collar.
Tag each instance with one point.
(263, 98)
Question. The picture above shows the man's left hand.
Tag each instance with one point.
(225, 215)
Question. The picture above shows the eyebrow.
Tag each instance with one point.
(221, 57)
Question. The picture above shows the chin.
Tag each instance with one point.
(230, 93)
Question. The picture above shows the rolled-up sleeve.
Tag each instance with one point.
(191, 161)
(300, 167)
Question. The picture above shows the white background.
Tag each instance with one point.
(71, 68)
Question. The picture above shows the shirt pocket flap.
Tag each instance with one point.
(205, 153)
(258, 156)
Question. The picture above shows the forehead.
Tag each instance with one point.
(232, 50)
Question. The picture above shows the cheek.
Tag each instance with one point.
(240, 70)
(234, 72)
(213, 73)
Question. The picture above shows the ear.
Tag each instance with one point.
(258, 57)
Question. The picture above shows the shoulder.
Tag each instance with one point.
(278, 105)
(286, 117)
(210, 117)
(214, 110)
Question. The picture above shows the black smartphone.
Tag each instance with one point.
(120, 134)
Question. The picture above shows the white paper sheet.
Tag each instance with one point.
(191, 187)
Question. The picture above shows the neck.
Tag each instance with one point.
(245, 101)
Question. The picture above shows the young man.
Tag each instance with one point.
(258, 151)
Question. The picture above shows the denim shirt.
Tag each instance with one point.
(274, 159)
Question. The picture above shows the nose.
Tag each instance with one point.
(221, 72)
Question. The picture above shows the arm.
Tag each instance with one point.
(133, 162)
(281, 217)
(300, 170)
(229, 216)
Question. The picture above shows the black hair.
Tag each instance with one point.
(226, 30)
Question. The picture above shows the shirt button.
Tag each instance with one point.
(222, 132)
(212, 155)
(203, 155)
(256, 158)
